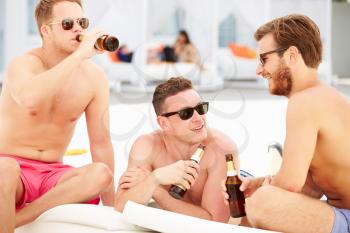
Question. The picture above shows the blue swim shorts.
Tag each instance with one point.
(342, 221)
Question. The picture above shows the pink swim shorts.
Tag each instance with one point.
(39, 177)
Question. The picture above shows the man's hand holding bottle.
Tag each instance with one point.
(87, 45)
(184, 172)
(248, 186)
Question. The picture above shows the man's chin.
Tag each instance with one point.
(272, 90)
(198, 137)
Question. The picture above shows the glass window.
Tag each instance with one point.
(234, 28)
(173, 24)
(227, 31)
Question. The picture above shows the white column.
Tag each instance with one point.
(2, 31)
(15, 29)
(143, 30)
(328, 42)
(215, 36)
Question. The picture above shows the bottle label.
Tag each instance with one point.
(231, 171)
(197, 155)
(195, 158)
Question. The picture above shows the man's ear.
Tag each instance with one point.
(293, 55)
(162, 122)
(44, 30)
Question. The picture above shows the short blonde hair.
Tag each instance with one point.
(43, 11)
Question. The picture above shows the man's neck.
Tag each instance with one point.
(177, 149)
(304, 79)
(52, 56)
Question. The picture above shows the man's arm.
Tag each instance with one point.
(310, 188)
(301, 136)
(167, 202)
(142, 154)
(97, 120)
(31, 87)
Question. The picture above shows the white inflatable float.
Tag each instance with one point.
(83, 218)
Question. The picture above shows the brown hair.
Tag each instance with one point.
(295, 30)
(43, 11)
(169, 88)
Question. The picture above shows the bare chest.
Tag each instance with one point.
(68, 103)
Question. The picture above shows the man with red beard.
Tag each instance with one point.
(162, 158)
(316, 154)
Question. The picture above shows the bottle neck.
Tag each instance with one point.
(231, 171)
(197, 155)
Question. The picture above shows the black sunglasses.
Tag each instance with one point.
(67, 24)
(263, 55)
(186, 113)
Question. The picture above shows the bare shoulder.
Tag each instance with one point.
(313, 100)
(28, 61)
(97, 78)
(146, 148)
(220, 143)
(92, 67)
(306, 95)
(94, 71)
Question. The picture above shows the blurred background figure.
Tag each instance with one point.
(124, 54)
(182, 51)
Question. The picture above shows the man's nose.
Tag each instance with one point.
(259, 69)
(195, 116)
(77, 27)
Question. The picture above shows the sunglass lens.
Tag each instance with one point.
(202, 108)
(262, 59)
(67, 24)
(84, 22)
(186, 114)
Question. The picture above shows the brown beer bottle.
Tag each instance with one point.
(178, 191)
(236, 196)
(105, 42)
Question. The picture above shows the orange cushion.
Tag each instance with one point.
(113, 56)
(242, 51)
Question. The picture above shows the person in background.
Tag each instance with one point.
(124, 54)
(182, 51)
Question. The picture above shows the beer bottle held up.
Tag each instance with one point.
(236, 196)
(178, 191)
(105, 42)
